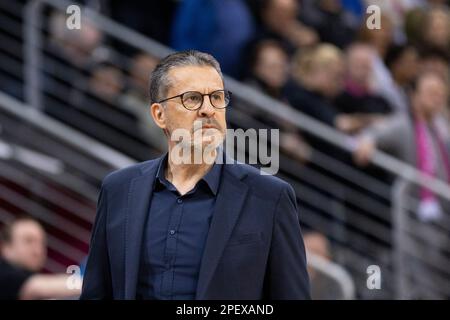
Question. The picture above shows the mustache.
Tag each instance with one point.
(208, 122)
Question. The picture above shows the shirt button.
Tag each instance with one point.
(172, 232)
(179, 200)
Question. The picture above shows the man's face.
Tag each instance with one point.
(360, 65)
(431, 94)
(438, 32)
(279, 13)
(436, 65)
(27, 247)
(205, 80)
(106, 83)
(406, 67)
(332, 79)
(272, 66)
(142, 66)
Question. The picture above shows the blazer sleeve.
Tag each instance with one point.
(97, 276)
(287, 277)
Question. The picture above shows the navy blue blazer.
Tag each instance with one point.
(254, 249)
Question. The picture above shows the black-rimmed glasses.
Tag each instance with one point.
(193, 100)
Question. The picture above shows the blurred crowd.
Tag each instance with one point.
(321, 57)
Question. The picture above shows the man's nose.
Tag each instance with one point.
(207, 109)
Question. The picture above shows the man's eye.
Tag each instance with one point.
(194, 98)
(217, 97)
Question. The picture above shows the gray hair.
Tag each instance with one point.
(160, 82)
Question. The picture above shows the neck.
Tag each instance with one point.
(184, 176)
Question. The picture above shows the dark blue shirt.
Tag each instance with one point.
(175, 236)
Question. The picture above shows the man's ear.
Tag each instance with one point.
(158, 114)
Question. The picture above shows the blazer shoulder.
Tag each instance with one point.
(267, 186)
(126, 174)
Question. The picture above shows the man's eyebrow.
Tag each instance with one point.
(201, 91)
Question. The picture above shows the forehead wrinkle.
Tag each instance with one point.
(182, 82)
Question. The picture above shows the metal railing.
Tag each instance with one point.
(63, 201)
(335, 273)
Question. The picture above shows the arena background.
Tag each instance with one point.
(74, 107)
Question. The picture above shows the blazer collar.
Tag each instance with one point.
(229, 203)
(138, 201)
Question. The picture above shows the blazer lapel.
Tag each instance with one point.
(229, 202)
(139, 197)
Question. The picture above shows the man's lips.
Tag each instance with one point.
(206, 126)
(209, 126)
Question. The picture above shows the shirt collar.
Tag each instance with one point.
(212, 177)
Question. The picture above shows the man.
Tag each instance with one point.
(23, 254)
(317, 79)
(171, 229)
(399, 135)
(421, 140)
(358, 98)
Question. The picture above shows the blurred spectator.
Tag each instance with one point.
(328, 17)
(106, 82)
(358, 98)
(402, 62)
(23, 255)
(413, 24)
(81, 47)
(269, 71)
(136, 99)
(428, 100)
(221, 28)
(74, 53)
(97, 108)
(435, 61)
(269, 68)
(323, 287)
(436, 29)
(279, 20)
(318, 78)
(380, 40)
(140, 70)
(421, 140)
(95, 89)
(396, 11)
